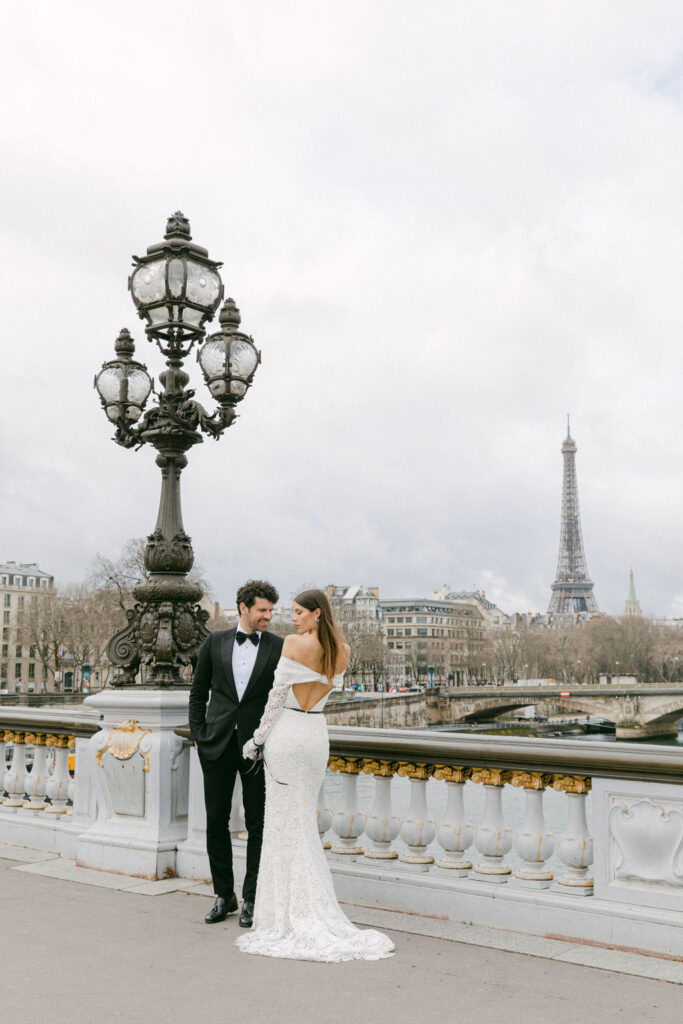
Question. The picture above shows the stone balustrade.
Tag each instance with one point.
(463, 849)
(456, 845)
(38, 754)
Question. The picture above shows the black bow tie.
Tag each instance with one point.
(241, 637)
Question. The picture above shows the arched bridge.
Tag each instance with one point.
(637, 711)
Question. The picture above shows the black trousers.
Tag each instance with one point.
(219, 783)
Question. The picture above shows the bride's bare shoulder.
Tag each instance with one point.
(292, 644)
(304, 649)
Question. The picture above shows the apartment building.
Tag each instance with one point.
(22, 585)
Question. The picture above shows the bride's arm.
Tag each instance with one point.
(276, 699)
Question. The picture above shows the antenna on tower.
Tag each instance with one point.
(568, 430)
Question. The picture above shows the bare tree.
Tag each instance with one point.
(122, 574)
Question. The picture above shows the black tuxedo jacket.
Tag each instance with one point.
(212, 727)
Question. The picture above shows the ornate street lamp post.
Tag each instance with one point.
(177, 289)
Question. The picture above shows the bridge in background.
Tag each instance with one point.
(635, 711)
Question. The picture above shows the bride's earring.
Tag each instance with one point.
(316, 622)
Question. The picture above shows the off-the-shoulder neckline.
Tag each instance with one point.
(308, 668)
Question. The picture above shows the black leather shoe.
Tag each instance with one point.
(221, 908)
(247, 915)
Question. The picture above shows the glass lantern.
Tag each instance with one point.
(229, 358)
(123, 384)
(176, 287)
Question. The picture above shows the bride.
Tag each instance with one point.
(296, 913)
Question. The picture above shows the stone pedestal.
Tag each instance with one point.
(141, 773)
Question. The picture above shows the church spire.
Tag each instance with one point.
(632, 605)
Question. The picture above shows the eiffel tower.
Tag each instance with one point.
(572, 591)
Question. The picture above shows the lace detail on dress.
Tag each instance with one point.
(296, 913)
(276, 700)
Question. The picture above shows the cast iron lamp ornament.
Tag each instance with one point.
(177, 289)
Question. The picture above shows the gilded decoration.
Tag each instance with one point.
(385, 769)
(531, 780)
(415, 770)
(572, 783)
(491, 776)
(14, 737)
(452, 773)
(346, 765)
(58, 742)
(72, 742)
(124, 741)
(37, 739)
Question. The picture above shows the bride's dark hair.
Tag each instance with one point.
(329, 633)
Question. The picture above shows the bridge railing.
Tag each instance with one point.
(455, 845)
(479, 850)
(39, 755)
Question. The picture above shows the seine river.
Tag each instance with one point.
(555, 804)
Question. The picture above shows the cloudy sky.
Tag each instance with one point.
(446, 225)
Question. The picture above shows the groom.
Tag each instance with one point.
(236, 666)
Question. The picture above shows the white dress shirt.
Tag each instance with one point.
(243, 661)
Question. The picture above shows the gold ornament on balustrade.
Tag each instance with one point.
(345, 765)
(72, 742)
(531, 780)
(452, 773)
(58, 742)
(124, 741)
(491, 776)
(384, 769)
(14, 737)
(37, 739)
(572, 783)
(415, 770)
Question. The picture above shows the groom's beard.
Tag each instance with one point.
(254, 624)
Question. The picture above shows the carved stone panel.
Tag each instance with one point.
(638, 829)
(125, 782)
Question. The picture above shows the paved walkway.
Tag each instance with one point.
(78, 946)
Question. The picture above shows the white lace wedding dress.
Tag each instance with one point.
(296, 914)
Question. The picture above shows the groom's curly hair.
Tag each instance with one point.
(253, 589)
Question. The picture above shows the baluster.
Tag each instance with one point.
(575, 848)
(454, 834)
(15, 776)
(382, 827)
(417, 828)
(533, 843)
(71, 788)
(324, 816)
(57, 788)
(36, 779)
(348, 823)
(492, 838)
(3, 764)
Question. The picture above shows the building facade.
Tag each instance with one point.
(438, 642)
(495, 619)
(356, 607)
(22, 585)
